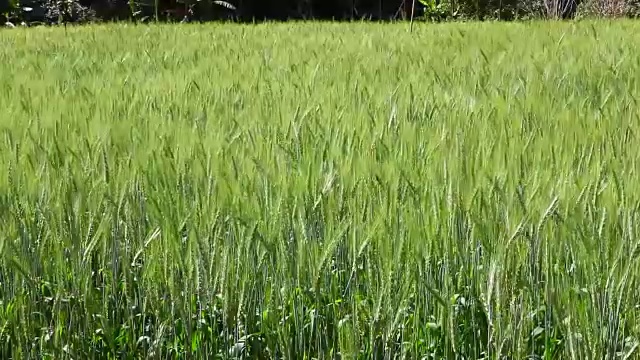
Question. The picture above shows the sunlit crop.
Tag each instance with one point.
(328, 191)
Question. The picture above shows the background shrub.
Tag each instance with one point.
(251, 10)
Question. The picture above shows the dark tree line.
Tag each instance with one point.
(257, 10)
(242, 10)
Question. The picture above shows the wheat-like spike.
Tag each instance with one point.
(225, 4)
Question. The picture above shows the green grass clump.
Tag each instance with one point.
(468, 191)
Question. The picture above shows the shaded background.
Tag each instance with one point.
(48, 11)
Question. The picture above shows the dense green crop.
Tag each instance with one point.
(323, 191)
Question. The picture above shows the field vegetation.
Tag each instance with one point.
(320, 191)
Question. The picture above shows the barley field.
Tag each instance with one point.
(320, 191)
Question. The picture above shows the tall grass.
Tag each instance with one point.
(320, 191)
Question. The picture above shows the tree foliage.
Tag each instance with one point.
(49, 11)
